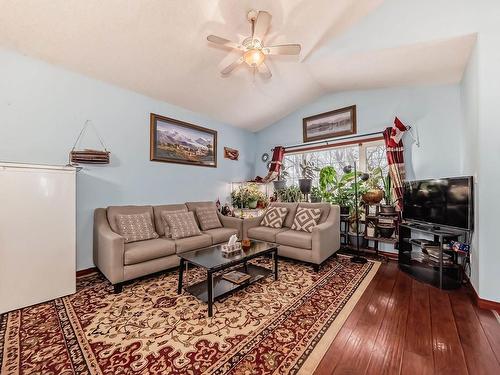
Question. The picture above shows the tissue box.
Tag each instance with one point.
(229, 249)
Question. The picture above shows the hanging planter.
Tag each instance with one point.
(88, 156)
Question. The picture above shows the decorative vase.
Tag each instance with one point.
(385, 231)
(252, 204)
(279, 184)
(387, 209)
(373, 196)
(305, 185)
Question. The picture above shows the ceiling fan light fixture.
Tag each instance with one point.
(254, 57)
(253, 49)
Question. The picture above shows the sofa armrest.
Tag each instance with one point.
(326, 237)
(231, 222)
(109, 248)
(251, 223)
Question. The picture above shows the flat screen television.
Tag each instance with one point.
(442, 201)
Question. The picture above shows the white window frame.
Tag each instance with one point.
(362, 162)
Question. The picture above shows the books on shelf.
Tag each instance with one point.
(236, 277)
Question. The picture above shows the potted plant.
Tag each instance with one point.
(247, 196)
(307, 169)
(280, 183)
(374, 193)
(289, 194)
(316, 196)
(335, 189)
(388, 207)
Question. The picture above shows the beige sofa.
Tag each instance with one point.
(120, 261)
(313, 247)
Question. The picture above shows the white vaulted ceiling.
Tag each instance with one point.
(159, 48)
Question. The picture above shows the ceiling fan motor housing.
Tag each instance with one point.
(252, 15)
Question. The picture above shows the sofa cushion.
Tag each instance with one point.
(295, 238)
(113, 211)
(264, 233)
(306, 219)
(292, 209)
(208, 219)
(274, 217)
(166, 226)
(192, 206)
(220, 235)
(137, 227)
(159, 222)
(324, 207)
(193, 243)
(182, 225)
(143, 251)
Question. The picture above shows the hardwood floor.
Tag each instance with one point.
(402, 326)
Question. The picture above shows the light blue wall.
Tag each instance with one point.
(434, 112)
(42, 109)
(470, 157)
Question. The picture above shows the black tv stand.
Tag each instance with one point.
(445, 271)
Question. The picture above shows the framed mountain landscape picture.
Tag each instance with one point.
(174, 141)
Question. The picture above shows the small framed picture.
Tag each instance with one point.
(231, 153)
(337, 123)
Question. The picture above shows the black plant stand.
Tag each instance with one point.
(356, 258)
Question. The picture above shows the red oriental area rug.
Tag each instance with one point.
(270, 327)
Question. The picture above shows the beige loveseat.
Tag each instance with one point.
(120, 261)
(313, 247)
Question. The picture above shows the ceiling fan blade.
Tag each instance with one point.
(264, 71)
(228, 69)
(224, 42)
(261, 25)
(284, 49)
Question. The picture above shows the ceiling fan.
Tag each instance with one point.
(254, 52)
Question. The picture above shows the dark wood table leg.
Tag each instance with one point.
(275, 256)
(181, 274)
(210, 293)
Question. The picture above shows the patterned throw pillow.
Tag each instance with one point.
(136, 227)
(166, 227)
(208, 218)
(182, 225)
(306, 219)
(274, 217)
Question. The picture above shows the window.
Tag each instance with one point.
(368, 156)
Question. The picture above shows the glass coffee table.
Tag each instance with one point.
(215, 263)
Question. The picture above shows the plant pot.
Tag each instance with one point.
(344, 210)
(352, 239)
(385, 231)
(279, 184)
(315, 199)
(387, 209)
(373, 196)
(305, 185)
(252, 204)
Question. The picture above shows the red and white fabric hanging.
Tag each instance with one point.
(395, 159)
(276, 162)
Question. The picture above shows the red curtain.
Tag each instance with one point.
(275, 167)
(394, 148)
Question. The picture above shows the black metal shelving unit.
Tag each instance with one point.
(435, 272)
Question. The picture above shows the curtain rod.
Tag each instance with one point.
(333, 141)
